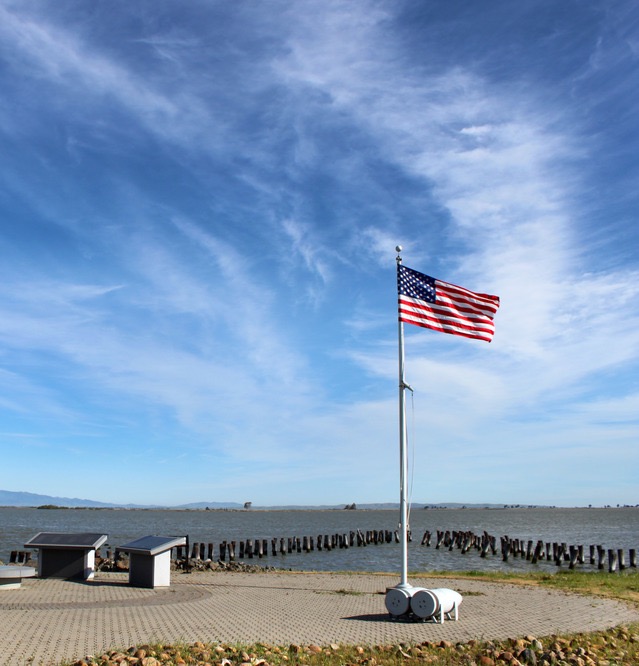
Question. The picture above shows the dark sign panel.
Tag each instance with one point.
(152, 545)
(81, 540)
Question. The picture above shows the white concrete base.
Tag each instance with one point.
(150, 570)
(11, 577)
(89, 564)
(162, 569)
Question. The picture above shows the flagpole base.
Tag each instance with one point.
(398, 598)
(405, 602)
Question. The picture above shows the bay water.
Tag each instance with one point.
(609, 527)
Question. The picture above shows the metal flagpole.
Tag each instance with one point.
(398, 598)
(403, 458)
(404, 600)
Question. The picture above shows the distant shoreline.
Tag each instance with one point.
(258, 509)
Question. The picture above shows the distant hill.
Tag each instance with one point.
(210, 505)
(9, 498)
(23, 499)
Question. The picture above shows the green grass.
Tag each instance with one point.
(623, 585)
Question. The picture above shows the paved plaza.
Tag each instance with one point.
(48, 620)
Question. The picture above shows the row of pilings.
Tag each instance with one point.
(464, 541)
(531, 551)
(251, 548)
(559, 553)
(234, 550)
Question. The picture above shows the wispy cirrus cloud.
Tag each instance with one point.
(200, 223)
(501, 162)
(83, 78)
(508, 169)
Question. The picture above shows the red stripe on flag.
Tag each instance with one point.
(423, 314)
(456, 310)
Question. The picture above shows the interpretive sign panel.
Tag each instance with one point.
(152, 545)
(66, 555)
(80, 540)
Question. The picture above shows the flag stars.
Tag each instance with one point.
(417, 285)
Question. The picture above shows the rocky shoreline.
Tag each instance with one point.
(121, 564)
(616, 646)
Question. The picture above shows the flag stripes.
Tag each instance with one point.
(445, 307)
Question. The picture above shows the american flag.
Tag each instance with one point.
(442, 306)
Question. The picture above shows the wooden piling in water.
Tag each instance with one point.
(574, 554)
(538, 552)
(529, 550)
(612, 560)
(622, 559)
(505, 549)
(486, 544)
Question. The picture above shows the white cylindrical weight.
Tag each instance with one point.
(397, 601)
(424, 603)
(448, 599)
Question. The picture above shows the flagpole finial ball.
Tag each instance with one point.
(399, 248)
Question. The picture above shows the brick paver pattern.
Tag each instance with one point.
(47, 621)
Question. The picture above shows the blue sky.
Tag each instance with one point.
(199, 207)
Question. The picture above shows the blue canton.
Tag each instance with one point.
(416, 285)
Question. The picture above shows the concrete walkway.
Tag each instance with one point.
(47, 621)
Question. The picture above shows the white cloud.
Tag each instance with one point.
(510, 192)
(302, 245)
(60, 59)
(192, 322)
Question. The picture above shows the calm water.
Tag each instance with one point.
(611, 528)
